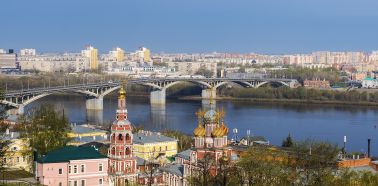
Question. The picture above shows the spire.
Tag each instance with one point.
(199, 114)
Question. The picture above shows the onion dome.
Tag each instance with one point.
(199, 131)
(217, 132)
(210, 115)
(122, 93)
(224, 129)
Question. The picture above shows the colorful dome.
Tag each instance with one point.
(199, 131)
(217, 132)
(122, 92)
(225, 129)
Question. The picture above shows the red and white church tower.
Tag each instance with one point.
(122, 163)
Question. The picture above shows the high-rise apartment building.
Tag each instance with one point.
(143, 55)
(91, 53)
(118, 54)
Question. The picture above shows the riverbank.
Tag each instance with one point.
(291, 101)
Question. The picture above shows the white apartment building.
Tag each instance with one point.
(54, 63)
(8, 61)
(190, 68)
(27, 52)
(142, 71)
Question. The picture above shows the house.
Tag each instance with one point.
(17, 153)
(153, 145)
(73, 166)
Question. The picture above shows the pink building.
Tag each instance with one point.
(73, 166)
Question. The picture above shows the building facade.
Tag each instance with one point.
(73, 166)
(153, 146)
(17, 153)
(91, 53)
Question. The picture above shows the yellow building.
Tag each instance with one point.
(146, 55)
(18, 155)
(91, 53)
(118, 54)
(153, 146)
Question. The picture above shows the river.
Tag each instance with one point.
(272, 121)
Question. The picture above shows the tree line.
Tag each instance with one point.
(300, 93)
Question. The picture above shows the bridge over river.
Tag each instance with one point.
(95, 92)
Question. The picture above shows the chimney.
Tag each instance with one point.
(369, 141)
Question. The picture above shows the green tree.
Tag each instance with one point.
(288, 142)
(45, 129)
(315, 162)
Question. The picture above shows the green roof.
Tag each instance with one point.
(369, 78)
(68, 153)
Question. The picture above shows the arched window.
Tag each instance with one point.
(120, 137)
(113, 150)
(128, 137)
(113, 137)
(127, 151)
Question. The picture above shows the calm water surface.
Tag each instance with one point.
(272, 121)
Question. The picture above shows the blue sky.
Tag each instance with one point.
(263, 26)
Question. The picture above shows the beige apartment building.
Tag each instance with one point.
(190, 68)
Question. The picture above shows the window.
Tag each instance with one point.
(75, 169)
(18, 159)
(100, 167)
(69, 183)
(60, 171)
(100, 181)
(60, 184)
(82, 183)
(23, 158)
(69, 169)
(82, 168)
(75, 183)
(160, 149)
(166, 148)
(120, 137)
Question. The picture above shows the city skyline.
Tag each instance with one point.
(267, 27)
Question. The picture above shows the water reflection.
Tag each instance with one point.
(95, 117)
(159, 118)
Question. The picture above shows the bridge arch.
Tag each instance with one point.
(266, 82)
(204, 84)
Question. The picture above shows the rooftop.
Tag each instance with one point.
(176, 169)
(184, 154)
(68, 153)
(144, 137)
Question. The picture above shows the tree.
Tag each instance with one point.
(202, 176)
(315, 162)
(204, 72)
(288, 142)
(4, 141)
(45, 129)
(265, 166)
